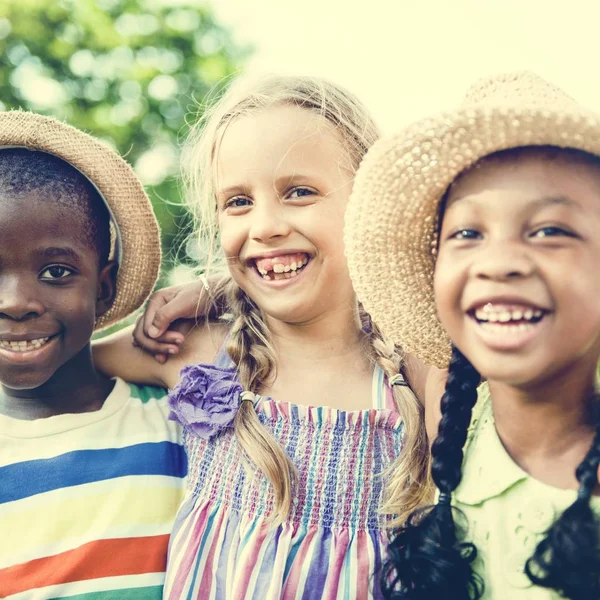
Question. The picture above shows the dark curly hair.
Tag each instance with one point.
(24, 172)
(429, 558)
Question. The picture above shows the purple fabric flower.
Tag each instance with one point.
(206, 399)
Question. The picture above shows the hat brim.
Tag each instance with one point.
(120, 188)
(391, 218)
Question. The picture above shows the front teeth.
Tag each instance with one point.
(23, 345)
(489, 315)
(284, 271)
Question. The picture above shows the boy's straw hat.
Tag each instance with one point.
(138, 235)
(391, 221)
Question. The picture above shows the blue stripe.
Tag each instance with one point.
(28, 478)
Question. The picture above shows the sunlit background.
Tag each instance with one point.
(408, 58)
(134, 72)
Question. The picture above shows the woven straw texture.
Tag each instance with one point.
(122, 190)
(391, 220)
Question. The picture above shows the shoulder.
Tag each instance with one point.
(147, 413)
(146, 393)
(488, 471)
(201, 346)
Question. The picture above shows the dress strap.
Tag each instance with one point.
(383, 396)
(222, 359)
(380, 391)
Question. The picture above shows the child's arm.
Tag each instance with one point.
(116, 355)
(172, 312)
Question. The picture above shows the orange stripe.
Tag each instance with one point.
(95, 560)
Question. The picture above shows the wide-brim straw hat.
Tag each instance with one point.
(391, 220)
(136, 243)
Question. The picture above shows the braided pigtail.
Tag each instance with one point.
(426, 559)
(409, 482)
(568, 558)
(252, 352)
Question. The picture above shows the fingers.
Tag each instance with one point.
(180, 329)
(168, 317)
(160, 348)
(156, 302)
(183, 305)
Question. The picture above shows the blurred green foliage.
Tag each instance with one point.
(132, 72)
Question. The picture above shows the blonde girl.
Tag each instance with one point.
(287, 498)
(496, 211)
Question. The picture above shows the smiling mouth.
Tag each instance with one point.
(24, 345)
(507, 317)
(285, 266)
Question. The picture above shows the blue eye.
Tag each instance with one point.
(55, 272)
(465, 234)
(301, 192)
(237, 202)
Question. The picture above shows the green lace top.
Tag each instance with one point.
(508, 511)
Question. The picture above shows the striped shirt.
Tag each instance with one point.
(223, 546)
(87, 501)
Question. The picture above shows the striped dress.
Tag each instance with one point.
(87, 501)
(222, 546)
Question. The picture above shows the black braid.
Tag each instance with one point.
(568, 558)
(426, 559)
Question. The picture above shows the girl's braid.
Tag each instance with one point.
(250, 349)
(427, 559)
(409, 483)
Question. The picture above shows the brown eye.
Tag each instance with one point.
(55, 272)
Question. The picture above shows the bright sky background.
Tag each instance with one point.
(410, 58)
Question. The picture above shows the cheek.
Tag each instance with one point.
(78, 311)
(447, 287)
(325, 228)
(231, 237)
(580, 298)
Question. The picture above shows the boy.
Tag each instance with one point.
(91, 470)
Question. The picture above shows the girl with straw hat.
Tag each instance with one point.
(488, 221)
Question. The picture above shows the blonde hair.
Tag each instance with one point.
(249, 344)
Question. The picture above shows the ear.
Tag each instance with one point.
(107, 287)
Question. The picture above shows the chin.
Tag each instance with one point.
(26, 381)
(291, 313)
(512, 371)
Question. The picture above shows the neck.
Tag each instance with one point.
(545, 422)
(76, 387)
(329, 337)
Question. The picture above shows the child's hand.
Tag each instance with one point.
(169, 316)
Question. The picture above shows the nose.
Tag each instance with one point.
(269, 221)
(18, 300)
(503, 261)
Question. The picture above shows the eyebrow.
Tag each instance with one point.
(552, 200)
(233, 190)
(538, 204)
(287, 179)
(279, 181)
(58, 252)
